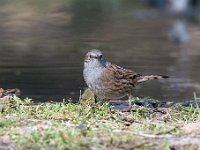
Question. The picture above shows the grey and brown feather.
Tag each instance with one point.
(109, 81)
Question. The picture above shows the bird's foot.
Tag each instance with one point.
(129, 108)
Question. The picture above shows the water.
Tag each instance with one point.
(42, 46)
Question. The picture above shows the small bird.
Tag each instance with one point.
(109, 81)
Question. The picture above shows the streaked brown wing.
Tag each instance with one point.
(119, 79)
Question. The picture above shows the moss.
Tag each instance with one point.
(80, 126)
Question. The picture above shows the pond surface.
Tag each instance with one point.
(42, 46)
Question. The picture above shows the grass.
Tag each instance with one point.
(25, 125)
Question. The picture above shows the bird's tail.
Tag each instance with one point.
(150, 77)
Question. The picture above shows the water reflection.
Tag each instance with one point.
(178, 31)
(43, 44)
(178, 7)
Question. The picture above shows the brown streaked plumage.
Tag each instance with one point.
(109, 81)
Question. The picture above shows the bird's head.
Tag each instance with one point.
(94, 58)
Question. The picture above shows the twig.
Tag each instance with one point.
(168, 131)
(154, 135)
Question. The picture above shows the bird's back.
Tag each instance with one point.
(117, 82)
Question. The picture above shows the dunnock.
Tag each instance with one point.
(109, 81)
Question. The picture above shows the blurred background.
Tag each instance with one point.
(43, 43)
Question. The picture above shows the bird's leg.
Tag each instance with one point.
(95, 98)
(92, 105)
(128, 109)
(98, 100)
(95, 101)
